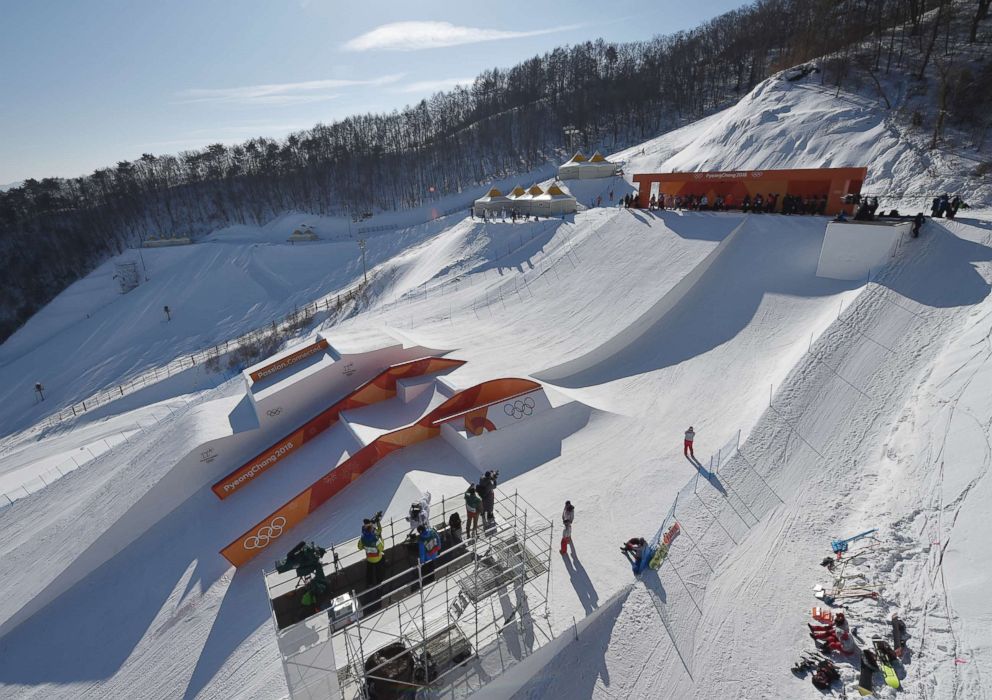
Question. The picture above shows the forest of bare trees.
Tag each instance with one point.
(54, 230)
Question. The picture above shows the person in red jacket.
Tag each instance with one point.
(690, 435)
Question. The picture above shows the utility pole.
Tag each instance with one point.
(365, 272)
(168, 313)
(570, 133)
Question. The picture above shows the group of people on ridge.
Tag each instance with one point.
(945, 205)
(791, 204)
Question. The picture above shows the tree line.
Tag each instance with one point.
(54, 230)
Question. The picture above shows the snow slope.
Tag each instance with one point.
(651, 321)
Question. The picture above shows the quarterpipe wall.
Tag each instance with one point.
(627, 337)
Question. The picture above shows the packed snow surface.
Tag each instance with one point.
(831, 407)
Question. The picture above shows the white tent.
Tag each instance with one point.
(569, 170)
(529, 202)
(494, 202)
(554, 202)
(578, 167)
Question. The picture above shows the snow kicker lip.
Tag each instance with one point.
(379, 388)
(294, 511)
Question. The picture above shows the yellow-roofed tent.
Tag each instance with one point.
(578, 168)
(493, 202)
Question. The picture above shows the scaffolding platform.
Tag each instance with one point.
(422, 624)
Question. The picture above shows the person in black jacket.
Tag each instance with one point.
(917, 224)
(487, 490)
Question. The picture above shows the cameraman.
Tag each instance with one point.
(371, 542)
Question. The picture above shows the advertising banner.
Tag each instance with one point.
(379, 388)
(288, 361)
(293, 512)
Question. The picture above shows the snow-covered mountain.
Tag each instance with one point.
(846, 406)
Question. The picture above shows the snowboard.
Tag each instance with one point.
(898, 634)
(886, 657)
(869, 664)
(662, 551)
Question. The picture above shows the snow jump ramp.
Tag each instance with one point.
(576, 371)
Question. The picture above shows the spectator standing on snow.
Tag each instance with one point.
(473, 504)
(954, 206)
(567, 516)
(917, 224)
(690, 435)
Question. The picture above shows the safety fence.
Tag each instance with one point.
(98, 449)
(246, 347)
(395, 227)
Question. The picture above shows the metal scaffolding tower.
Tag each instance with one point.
(422, 625)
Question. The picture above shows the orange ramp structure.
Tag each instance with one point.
(379, 388)
(461, 405)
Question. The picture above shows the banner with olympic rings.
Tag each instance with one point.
(274, 526)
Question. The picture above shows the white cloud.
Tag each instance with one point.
(431, 86)
(280, 93)
(412, 36)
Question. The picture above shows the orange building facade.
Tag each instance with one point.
(835, 183)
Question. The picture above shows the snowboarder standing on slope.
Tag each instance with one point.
(690, 435)
(917, 224)
(567, 516)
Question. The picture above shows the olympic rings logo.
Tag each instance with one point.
(273, 412)
(266, 534)
(520, 408)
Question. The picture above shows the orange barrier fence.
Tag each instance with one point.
(298, 508)
(379, 388)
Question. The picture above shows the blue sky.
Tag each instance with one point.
(86, 84)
